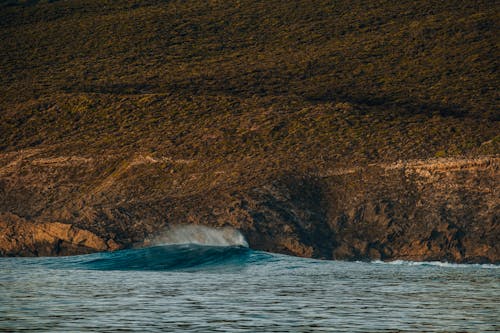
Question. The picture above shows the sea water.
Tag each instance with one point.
(199, 288)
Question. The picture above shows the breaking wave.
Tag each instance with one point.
(169, 257)
(187, 248)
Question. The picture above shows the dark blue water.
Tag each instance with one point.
(234, 289)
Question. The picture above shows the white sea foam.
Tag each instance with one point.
(197, 234)
(435, 263)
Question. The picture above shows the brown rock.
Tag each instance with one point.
(51, 238)
(438, 209)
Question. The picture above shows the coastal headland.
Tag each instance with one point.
(357, 130)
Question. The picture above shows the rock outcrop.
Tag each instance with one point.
(23, 238)
(439, 209)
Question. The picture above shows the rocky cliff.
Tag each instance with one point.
(437, 209)
(284, 119)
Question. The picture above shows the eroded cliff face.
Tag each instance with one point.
(422, 210)
(440, 209)
(444, 209)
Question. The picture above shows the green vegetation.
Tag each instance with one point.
(265, 84)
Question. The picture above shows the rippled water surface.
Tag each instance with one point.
(234, 289)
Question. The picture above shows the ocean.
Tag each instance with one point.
(206, 288)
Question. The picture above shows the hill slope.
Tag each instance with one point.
(228, 97)
(342, 79)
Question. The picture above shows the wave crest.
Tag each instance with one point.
(435, 263)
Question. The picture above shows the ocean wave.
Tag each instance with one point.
(168, 257)
(435, 263)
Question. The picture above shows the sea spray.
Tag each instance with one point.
(202, 235)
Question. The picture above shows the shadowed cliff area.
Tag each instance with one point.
(332, 129)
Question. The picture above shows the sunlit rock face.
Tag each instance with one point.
(51, 238)
(438, 209)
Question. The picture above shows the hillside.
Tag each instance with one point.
(121, 117)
